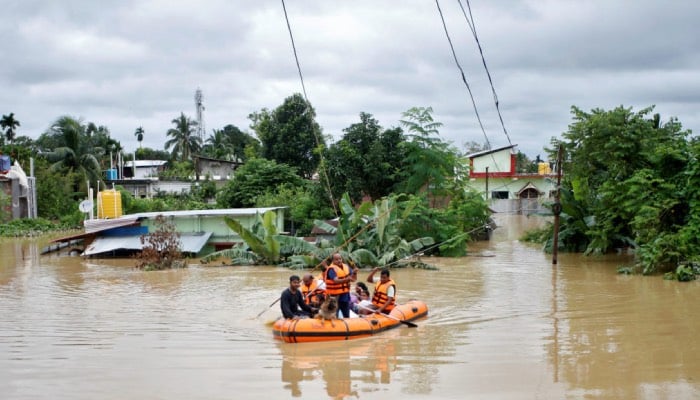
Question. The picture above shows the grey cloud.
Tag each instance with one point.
(127, 64)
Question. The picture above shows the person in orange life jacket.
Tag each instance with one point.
(291, 301)
(338, 277)
(384, 297)
(311, 288)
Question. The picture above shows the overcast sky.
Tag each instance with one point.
(125, 64)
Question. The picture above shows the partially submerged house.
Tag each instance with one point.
(201, 231)
(493, 173)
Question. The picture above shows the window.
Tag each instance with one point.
(499, 195)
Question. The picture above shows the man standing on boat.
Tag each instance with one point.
(292, 302)
(338, 277)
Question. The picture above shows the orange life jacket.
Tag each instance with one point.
(335, 289)
(380, 294)
(310, 292)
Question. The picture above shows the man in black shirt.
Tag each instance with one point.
(292, 302)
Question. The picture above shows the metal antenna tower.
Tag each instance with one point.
(200, 113)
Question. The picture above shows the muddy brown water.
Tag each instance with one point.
(505, 324)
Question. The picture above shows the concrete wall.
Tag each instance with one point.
(496, 162)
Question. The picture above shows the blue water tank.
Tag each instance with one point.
(112, 174)
(5, 163)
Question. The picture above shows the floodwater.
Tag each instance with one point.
(503, 324)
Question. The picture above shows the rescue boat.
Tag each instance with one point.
(316, 330)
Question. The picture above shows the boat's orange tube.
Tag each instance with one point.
(315, 330)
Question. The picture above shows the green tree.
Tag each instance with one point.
(366, 161)
(183, 138)
(629, 177)
(217, 146)
(21, 150)
(146, 153)
(229, 143)
(178, 170)
(290, 135)
(431, 163)
(75, 156)
(306, 203)
(255, 178)
(524, 165)
(9, 124)
(93, 139)
(55, 191)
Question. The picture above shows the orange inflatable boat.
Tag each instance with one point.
(315, 330)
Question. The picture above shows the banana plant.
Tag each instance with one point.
(262, 240)
(370, 233)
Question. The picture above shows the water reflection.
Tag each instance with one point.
(624, 330)
(345, 367)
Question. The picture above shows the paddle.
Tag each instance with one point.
(270, 306)
(275, 302)
(407, 323)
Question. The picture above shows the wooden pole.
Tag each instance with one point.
(487, 185)
(556, 209)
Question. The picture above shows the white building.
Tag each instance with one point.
(493, 173)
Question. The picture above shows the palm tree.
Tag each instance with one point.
(10, 124)
(139, 135)
(184, 140)
(76, 156)
(217, 145)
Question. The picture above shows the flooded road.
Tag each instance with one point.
(503, 325)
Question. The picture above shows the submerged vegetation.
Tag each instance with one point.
(160, 248)
(366, 236)
(32, 227)
(630, 181)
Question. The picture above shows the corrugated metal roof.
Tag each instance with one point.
(206, 213)
(484, 152)
(97, 225)
(189, 243)
(144, 163)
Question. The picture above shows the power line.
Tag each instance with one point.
(294, 48)
(464, 79)
(472, 27)
(308, 105)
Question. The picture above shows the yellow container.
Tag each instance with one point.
(543, 168)
(109, 204)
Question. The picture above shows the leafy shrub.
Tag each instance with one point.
(161, 248)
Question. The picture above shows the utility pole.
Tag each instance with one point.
(556, 209)
(487, 184)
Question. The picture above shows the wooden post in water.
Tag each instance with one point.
(556, 210)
